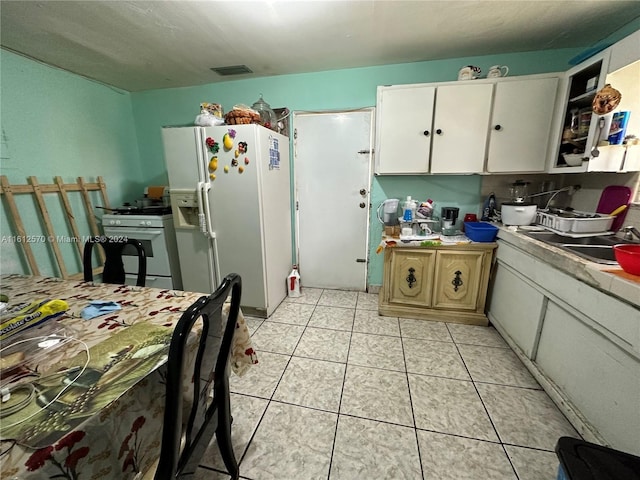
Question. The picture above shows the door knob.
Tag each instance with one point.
(426, 133)
(363, 192)
(362, 204)
(439, 131)
(498, 127)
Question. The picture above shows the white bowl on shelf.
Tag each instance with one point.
(573, 159)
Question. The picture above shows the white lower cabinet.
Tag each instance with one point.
(581, 344)
(523, 326)
(599, 378)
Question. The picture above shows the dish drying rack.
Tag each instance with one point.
(576, 222)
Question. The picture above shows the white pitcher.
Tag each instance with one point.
(498, 71)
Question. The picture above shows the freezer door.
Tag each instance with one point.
(197, 265)
(183, 157)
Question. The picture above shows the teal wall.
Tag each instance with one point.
(55, 123)
(333, 90)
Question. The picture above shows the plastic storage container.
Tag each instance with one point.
(480, 231)
(580, 460)
(409, 210)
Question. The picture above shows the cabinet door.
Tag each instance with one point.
(610, 159)
(403, 129)
(457, 279)
(516, 307)
(599, 378)
(625, 52)
(411, 277)
(520, 126)
(461, 122)
(632, 159)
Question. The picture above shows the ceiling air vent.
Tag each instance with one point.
(232, 70)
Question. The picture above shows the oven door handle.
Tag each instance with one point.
(132, 232)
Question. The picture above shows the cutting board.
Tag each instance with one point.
(611, 198)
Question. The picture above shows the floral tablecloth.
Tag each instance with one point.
(86, 399)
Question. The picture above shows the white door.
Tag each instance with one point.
(332, 165)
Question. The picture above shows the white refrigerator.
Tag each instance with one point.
(231, 203)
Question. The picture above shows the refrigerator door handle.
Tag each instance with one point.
(216, 263)
(201, 215)
(208, 231)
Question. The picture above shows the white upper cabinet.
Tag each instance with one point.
(521, 125)
(625, 52)
(477, 126)
(432, 128)
(403, 141)
(461, 122)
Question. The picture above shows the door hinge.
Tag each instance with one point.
(297, 205)
(361, 260)
(366, 151)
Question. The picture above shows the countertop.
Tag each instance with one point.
(610, 279)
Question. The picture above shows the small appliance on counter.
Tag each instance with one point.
(389, 217)
(518, 211)
(449, 217)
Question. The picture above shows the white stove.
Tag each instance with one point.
(158, 237)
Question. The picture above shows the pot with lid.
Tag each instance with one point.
(518, 213)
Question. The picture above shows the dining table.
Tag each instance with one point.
(83, 391)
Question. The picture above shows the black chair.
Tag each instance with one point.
(180, 454)
(113, 267)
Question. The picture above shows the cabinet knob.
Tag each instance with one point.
(457, 281)
(362, 204)
(363, 192)
(426, 133)
(439, 131)
(411, 278)
(498, 127)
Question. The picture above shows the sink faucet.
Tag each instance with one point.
(570, 189)
(630, 231)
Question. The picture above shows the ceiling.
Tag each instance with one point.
(141, 45)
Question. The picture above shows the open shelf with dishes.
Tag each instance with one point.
(578, 123)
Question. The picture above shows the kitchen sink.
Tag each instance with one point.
(595, 253)
(597, 249)
(555, 239)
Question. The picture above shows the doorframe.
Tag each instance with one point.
(294, 179)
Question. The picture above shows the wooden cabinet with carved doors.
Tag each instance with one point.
(446, 283)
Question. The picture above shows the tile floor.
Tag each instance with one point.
(341, 393)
